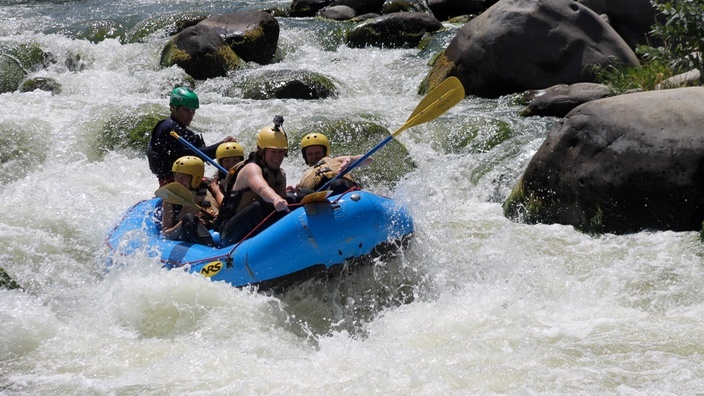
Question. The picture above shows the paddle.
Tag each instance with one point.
(318, 196)
(197, 151)
(175, 193)
(441, 99)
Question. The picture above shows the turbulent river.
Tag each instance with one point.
(477, 304)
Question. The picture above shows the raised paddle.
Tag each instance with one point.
(197, 151)
(441, 99)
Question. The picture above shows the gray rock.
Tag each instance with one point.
(517, 45)
(560, 99)
(253, 35)
(307, 8)
(397, 30)
(446, 9)
(632, 19)
(288, 84)
(201, 52)
(619, 165)
(361, 6)
(338, 13)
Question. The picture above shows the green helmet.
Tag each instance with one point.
(184, 96)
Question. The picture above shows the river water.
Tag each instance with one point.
(477, 304)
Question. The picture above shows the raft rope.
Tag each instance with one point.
(229, 255)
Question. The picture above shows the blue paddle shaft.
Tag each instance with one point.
(197, 151)
(357, 163)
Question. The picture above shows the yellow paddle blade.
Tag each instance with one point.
(176, 194)
(319, 196)
(441, 99)
(435, 94)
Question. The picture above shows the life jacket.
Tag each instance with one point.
(163, 149)
(205, 200)
(320, 173)
(236, 200)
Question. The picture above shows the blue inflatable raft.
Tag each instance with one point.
(316, 239)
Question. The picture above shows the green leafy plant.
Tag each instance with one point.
(682, 34)
(621, 79)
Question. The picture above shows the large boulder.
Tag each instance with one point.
(307, 8)
(632, 19)
(287, 84)
(253, 35)
(404, 6)
(338, 13)
(517, 45)
(620, 165)
(42, 84)
(397, 30)
(361, 6)
(201, 52)
(127, 132)
(446, 9)
(17, 61)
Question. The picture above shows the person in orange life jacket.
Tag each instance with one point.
(184, 223)
(258, 188)
(228, 154)
(163, 149)
(315, 148)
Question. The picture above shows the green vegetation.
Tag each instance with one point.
(620, 79)
(681, 31)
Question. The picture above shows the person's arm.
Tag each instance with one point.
(347, 160)
(214, 188)
(251, 176)
(168, 219)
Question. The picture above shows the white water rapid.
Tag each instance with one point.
(477, 305)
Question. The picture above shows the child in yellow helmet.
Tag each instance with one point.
(228, 155)
(315, 148)
(184, 222)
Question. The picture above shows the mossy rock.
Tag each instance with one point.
(529, 209)
(288, 84)
(473, 137)
(6, 282)
(23, 148)
(211, 57)
(350, 137)
(168, 24)
(42, 84)
(17, 61)
(127, 131)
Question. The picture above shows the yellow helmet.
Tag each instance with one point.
(274, 138)
(315, 139)
(229, 149)
(190, 165)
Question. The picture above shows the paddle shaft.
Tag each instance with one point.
(197, 151)
(356, 163)
(438, 101)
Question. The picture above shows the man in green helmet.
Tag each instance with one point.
(164, 149)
